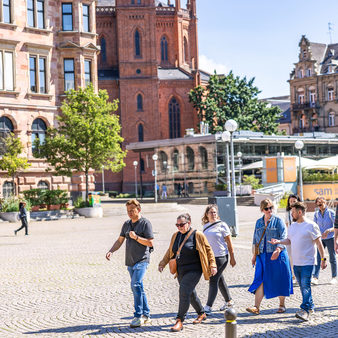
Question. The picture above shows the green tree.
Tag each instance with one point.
(231, 97)
(87, 136)
(12, 161)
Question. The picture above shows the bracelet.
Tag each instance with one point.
(136, 238)
(324, 259)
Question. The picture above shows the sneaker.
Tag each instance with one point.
(314, 281)
(311, 312)
(303, 315)
(136, 322)
(146, 320)
(207, 310)
(333, 281)
(227, 305)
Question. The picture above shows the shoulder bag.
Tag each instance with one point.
(257, 245)
(173, 262)
(211, 225)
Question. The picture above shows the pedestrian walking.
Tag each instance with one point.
(218, 235)
(273, 276)
(179, 190)
(336, 232)
(23, 218)
(325, 217)
(303, 236)
(190, 251)
(139, 240)
(164, 192)
(158, 190)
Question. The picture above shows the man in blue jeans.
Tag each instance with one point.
(303, 235)
(139, 240)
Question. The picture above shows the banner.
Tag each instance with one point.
(290, 169)
(327, 190)
(271, 170)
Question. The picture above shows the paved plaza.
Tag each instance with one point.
(57, 283)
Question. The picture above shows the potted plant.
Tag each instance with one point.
(10, 209)
(83, 209)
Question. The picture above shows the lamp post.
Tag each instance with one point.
(239, 155)
(299, 145)
(155, 158)
(103, 179)
(135, 163)
(226, 138)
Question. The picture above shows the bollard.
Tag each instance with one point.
(230, 323)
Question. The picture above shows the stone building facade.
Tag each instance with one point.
(314, 88)
(149, 61)
(46, 47)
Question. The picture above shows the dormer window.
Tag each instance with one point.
(300, 73)
(301, 98)
(330, 69)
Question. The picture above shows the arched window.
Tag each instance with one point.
(175, 160)
(38, 132)
(302, 122)
(186, 50)
(332, 119)
(174, 119)
(204, 157)
(8, 189)
(137, 43)
(139, 102)
(6, 127)
(43, 185)
(140, 133)
(191, 158)
(163, 161)
(103, 50)
(164, 49)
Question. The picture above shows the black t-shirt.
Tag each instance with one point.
(189, 259)
(137, 252)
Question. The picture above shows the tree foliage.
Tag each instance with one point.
(87, 136)
(231, 97)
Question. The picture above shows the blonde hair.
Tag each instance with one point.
(134, 202)
(265, 203)
(205, 218)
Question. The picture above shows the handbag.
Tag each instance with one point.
(257, 245)
(173, 262)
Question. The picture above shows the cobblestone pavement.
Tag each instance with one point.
(57, 283)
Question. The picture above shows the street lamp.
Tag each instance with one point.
(239, 155)
(103, 179)
(155, 158)
(135, 163)
(226, 138)
(299, 145)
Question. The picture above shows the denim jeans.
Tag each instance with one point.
(329, 243)
(137, 273)
(303, 275)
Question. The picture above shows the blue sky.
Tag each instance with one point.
(259, 38)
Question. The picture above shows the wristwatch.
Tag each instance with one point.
(324, 259)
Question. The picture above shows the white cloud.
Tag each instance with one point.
(209, 65)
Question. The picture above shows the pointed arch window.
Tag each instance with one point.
(139, 102)
(191, 158)
(164, 49)
(103, 50)
(174, 119)
(137, 42)
(204, 157)
(175, 160)
(140, 133)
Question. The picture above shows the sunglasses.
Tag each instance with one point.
(268, 208)
(180, 225)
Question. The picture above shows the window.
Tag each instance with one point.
(137, 43)
(304, 53)
(164, 49)
(38, 132)
(140, 133)
(204, 157)
(88, 73)
(174, 119)
(139, 102)
(85, 18)
(308, 72)
(67, 17)
(6, 70)
(302, 122)
(330, 94)
(175, 160)
(43, 185)
(37, 74)
(69, 74)
(331, 119)
(30, 13)
(163, 159)
(301, 98)
(142, 170)
(36, 13)
(6, 127)
(186, 50)
(139, 2)
(103, 50)
(300, 73)
(312, 95)
(8, 189)
(41, 13)
(6, 11)
(191, 158)
(330, 69)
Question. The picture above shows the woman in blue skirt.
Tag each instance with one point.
(273, 277)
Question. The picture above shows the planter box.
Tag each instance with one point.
(12, 217)
(95, 212)
(53, 207)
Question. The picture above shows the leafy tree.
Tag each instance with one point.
(11, 161)
(87, 136)
(231, 97)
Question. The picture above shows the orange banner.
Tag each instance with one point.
(271, 170)
(290, 169)
(327, 190)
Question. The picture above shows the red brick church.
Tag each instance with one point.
(149, 61)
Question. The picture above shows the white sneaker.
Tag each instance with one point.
(303, 315)
(333, 281)
(227, 305)
(314, 281)
(207, 310)
(146, 320)
(136, 322)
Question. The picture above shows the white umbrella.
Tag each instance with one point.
(329, 163)
(259, 165)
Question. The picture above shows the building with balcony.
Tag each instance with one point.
(46, 48)
(314, 88)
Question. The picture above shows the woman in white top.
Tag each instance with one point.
(218, 234)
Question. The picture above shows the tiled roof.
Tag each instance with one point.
(205, 77)
(172, 74)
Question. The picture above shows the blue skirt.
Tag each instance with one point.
(275, 275)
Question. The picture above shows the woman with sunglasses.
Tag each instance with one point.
(218, 235)
(273, 276)
(194, 259)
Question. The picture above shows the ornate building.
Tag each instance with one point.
(314, 88)
(149, 61)
(46, 47)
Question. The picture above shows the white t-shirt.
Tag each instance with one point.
(302, 237)
(215, 236)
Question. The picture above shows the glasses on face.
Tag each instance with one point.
(268, 208)
(180, 225)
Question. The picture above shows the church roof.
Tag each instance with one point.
(172, 74)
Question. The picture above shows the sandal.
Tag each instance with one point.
(254, 310)
(281, 309)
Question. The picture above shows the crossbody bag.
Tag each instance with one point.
(257, 245)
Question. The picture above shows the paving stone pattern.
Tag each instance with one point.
(56, 282)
